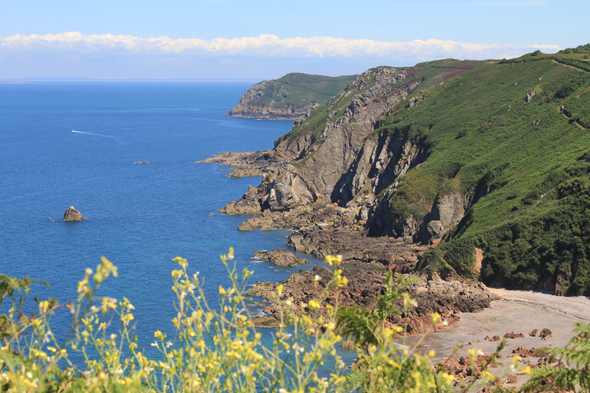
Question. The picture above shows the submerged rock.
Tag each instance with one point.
(72, 214)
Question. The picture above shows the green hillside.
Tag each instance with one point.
(521, 164)
(297, 89)
(431, 73)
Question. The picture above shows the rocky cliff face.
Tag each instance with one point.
(336, 153)
(340, 156)
(455, 151)
(336, 175)
(248, 106)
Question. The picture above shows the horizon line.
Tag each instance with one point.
(85, 79)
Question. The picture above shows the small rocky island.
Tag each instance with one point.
(72, 214)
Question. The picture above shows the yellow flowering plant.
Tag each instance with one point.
(213, 349)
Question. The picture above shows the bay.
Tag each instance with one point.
(140, 216)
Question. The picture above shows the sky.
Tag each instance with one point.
(261, 39)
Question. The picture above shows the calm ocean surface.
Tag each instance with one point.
(139, 216)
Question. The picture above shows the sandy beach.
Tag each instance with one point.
(518, 312)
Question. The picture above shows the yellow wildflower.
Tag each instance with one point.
(313, 304)
(526, 370)
(333, 260)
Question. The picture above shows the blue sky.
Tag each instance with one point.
(259, 39)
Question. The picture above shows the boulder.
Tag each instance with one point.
(545, 334)
(266, 321)
(529, 96)
(280, 257)
(72, 214)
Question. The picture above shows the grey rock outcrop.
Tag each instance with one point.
(447, 211)
(530, 95)
(348, 167)
(345, 149)
(72, 214)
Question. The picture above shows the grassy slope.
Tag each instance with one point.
(303, 89)
(474, 141)
(431, 73)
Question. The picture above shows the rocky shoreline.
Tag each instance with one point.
(328, 194)
(431, 293)
(250, 163)
(334, 189)
(321, 228)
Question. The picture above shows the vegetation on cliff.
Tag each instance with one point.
(289, 97)
(427, 73)
(510, 138)
(490, 155)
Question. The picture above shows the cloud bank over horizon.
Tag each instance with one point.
(64, 50)
(266, 45)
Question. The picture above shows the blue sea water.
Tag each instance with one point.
(139, 216)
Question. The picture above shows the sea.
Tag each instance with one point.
(76, 143)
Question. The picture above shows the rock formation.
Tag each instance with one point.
(406, 155)
(398, 255)
(280, 257)
(431, 293)
(72, 214)
(331, 181)
(324, 183)
(249, 164)
(290, 97)
(338, 163)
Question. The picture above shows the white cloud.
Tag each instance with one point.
(264, 45)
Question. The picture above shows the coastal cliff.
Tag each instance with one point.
(290, 97)
(478, 169)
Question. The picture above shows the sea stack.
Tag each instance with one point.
(72, 214)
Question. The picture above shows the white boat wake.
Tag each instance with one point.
(92, 133)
